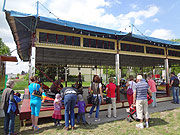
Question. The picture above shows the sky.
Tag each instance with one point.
(155, 18)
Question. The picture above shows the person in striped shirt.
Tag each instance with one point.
(140, 98)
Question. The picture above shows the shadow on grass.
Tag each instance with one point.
(30, 131)
(157, 122)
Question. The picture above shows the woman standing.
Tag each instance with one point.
(152, 86)
(96, 89)
(8, 95)
(35, 102)
(110, 88)
(131, 87)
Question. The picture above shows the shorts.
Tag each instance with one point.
(142, 109)
(35, 107)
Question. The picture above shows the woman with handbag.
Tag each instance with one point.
(111, 97)
(131, 86)
(35, 91)
(96, 88)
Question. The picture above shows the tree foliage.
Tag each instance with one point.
(4, 50)
(51, 72)
(175, 40)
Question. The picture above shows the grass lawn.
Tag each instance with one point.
(21, 85)
(161, 123)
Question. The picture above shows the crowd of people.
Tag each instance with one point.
(137, 90)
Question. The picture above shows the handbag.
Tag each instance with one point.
(89, 98)
(95, 100)
(108, 99)
(36, 92)
(130, 90)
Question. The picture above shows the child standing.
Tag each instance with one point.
(57, 110)
(81, 109)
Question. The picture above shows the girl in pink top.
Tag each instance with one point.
(57, 110)
(152, 86)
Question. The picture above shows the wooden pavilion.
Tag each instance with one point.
(60, 42)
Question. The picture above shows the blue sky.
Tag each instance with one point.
(156, 18)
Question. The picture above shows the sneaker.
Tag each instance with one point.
(147, 125)
(140, 125)
(108, 116)
(59, 125)
(89, 116)
(97, 119)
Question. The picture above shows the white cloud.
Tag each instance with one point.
(163, 34)
(91, 12)
(118, 2)
(155, 20)
(148, 31)
(133, 6)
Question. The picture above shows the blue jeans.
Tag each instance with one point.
(9, 122)
(97, 108)
(175, 92)
(154, 99)
(69, 103)
(83, 117)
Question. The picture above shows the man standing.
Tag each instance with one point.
(140, 98)
(174, 84)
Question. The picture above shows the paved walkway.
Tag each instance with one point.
(122, 114)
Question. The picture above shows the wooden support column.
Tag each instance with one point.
(167, 73)
(117, 72)
(167, 76)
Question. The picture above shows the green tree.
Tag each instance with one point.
(175, 40)
(4, 50)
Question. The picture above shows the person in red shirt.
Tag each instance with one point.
(152, 86)
(110, 89)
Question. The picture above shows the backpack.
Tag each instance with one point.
(130, 90)
(176, 82)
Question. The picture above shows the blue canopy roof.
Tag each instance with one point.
(23, 27)
(91, 28)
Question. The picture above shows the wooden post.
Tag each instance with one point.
(167, 76)
(117, 71)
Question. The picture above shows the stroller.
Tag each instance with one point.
(132, 113)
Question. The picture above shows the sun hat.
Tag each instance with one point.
(139, 77)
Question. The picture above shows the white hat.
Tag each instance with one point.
(80, 97)
(139, 77)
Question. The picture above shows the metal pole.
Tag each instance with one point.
(37, 9)
(30, 70)
(65, 76)
(57, 70)
(91, 74)
(106, 74)
(132, 28)
(3, 9)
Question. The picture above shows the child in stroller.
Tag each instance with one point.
(132, 113)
